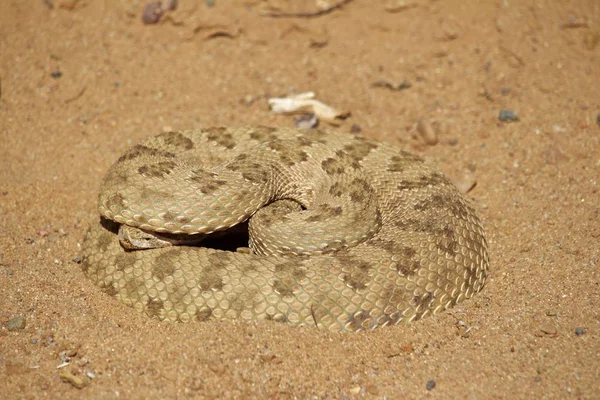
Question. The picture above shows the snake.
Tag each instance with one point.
(303, 227)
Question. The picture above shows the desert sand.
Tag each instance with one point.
(83, 80)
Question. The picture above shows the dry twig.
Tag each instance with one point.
(311, 14)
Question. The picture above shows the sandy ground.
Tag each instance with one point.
(83, 80)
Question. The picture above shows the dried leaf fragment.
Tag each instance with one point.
(305, 102)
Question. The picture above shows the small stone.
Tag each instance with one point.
(508, 116)
(76, 260)
(580, 331)
(355, 390)
(505, 91)
(16, 323)
(152, 13)
(56, 74)
(430, 384)
(355, 128)
(68, 377)
(427, 132)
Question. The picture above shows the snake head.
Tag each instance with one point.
(136, 239)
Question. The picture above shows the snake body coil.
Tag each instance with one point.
(346, 233)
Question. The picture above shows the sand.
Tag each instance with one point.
(83, 80)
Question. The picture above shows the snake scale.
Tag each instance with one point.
(342, 232)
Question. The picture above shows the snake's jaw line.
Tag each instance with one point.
(345, 233)
(137, 239)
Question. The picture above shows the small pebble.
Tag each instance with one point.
(580, 331)
(505, 91)
(430, 384)
(427, 132)
(356, 390)
(152, 13)
(56, 74)
(355, 128)
(507, 116)
(16, 323)
(76, 381)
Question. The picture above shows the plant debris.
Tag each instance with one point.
(308, 14)
(303, 102)
(396, 87)
(153, 12)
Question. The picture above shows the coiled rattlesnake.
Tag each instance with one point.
(346, 233)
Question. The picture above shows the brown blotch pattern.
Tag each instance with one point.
(250, 171)
(288, 155)
(152, 194)
(336, 189)
(105, 240)
(158, 170)
(359, 277)
(109, 289)
(256, 173)
(447, 241)
(434, 179)
(357, 320)
(284, 287)
(325, 212)
(359, 190)
(163, 265)
(263, 133)
(332, 166)
(423, 301)
(304, 141)
(450, 202)
(124, 260)
(116, 199)
(360, 148)
(207, 182)
(221, 137)
(238, 163)
(290, 269)
(154, 307)
(140, 149)
(210, 279)
(176, 139)
(315, 135)
(406, 265)
(404, 160)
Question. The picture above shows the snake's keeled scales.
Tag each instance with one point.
(346, 233)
